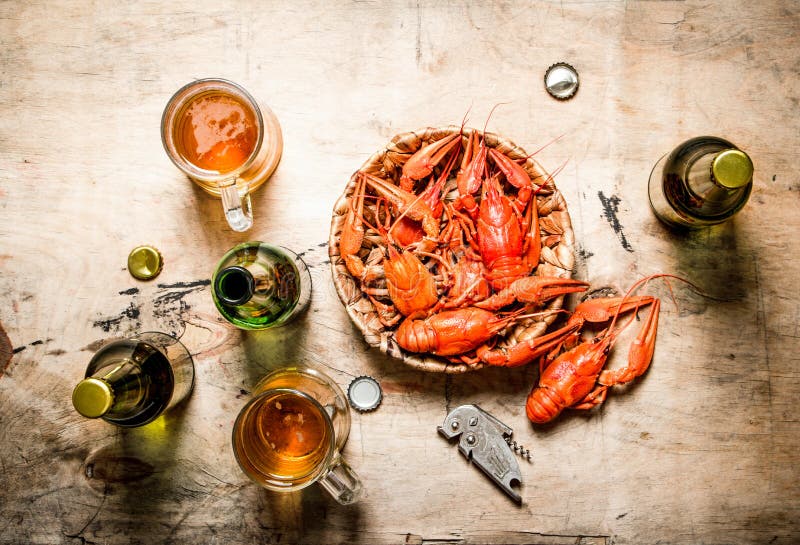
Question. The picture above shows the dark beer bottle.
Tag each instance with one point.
(130, 382)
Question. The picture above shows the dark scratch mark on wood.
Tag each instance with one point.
(194, 284)
(311, 251)
(584, 253)
(168, 307)
(602, 291)
(84, 541)
(610, 209)
(131, 312)
(171, 307)
(170, 297)
(19, 349)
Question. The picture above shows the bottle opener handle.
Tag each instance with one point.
(483, 440)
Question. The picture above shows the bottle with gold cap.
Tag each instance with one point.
(704, 181)
(257, 285)
(130, 382)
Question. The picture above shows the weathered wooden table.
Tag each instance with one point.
(703, 449)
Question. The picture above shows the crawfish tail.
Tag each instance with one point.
(543, 405)
(414, 336)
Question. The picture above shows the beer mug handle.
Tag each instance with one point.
(235, 194)
(341, 482)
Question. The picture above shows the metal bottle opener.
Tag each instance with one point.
(487, 442)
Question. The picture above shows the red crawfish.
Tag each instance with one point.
(577, 379)
(459, 331)
(509, 247)
(422, 163)
(407, 204)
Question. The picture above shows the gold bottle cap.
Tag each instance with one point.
(732, 169)
(145, 262)
(92, 397)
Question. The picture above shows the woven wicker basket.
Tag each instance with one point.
(556, 259)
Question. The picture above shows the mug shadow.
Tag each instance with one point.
(209, 208)
(303, 516)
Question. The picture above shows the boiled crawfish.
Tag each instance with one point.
(509, 244)
(457, 332)
(488, 242)
(407, 204)
(422, 163)
(577, 378)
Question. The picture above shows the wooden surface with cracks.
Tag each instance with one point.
(702, 449)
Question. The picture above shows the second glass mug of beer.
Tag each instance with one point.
(290, 434)
(216, 134)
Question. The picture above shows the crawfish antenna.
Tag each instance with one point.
(554, 140)
(488, 117)
(466, 116)
(642, 281)
(549, 177)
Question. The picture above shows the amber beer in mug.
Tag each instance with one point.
(216, 134)
(291, 433)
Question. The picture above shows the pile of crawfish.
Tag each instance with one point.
(460, 244)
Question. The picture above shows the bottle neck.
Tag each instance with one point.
(234, 285)
(115, 390)
(732, 169)
(710, 188)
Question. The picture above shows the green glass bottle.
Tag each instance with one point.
(257, 285)
(704, 181)
(130, 382)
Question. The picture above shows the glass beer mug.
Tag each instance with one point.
(216, 134)
(291, 433)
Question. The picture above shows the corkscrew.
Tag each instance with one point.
(523, 452)
(487, 442)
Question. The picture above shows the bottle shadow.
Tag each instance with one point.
(270, 349)
(138, 470)
(712, 259)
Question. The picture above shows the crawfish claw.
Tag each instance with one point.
(603, 309)
(421, 164)
(532, 289)
(640, 353)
